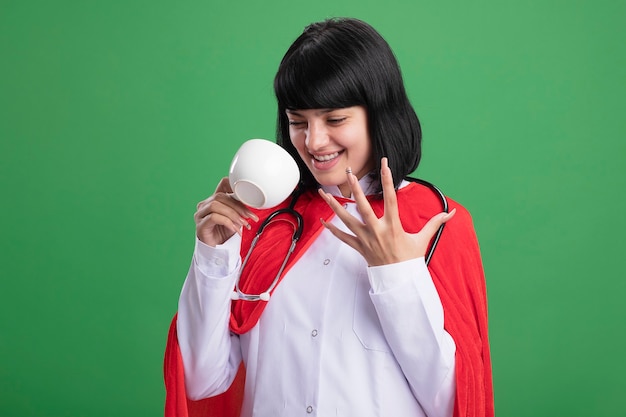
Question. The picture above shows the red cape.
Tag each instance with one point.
(456, 269)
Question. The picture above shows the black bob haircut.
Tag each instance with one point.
(344, 62)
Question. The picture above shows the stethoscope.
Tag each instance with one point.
(298, 228)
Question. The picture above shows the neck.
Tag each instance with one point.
(345, 191)
(366, 182)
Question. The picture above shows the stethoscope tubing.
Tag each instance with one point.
(299, 228)
(444, 203)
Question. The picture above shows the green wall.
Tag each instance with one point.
(116, 117)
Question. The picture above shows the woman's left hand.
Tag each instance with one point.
(382, 240)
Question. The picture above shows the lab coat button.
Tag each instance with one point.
(326, 261)
(219, 261)
(314, 332)
(309, 409)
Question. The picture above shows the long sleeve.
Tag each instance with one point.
(211, 354)
(411, 316)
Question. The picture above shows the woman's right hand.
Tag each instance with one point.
(220, 216)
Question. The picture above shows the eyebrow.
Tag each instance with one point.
(321, 111)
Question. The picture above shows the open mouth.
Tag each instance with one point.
(326, 158)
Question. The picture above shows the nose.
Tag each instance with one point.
(316, 136)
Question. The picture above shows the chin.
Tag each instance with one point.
(329, 180)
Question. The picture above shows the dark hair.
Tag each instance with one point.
(341, 63)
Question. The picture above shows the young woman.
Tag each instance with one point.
(359, 324)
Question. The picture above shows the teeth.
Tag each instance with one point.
(324, 158)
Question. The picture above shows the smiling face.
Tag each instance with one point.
(331, 140)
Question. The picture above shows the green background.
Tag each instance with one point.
(116, 117)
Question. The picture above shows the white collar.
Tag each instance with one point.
(367, 183)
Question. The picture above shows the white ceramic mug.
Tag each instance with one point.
(262, 174)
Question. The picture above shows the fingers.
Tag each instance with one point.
(224, 186)
(226, 205)
(348, 219)
(341, 235)
(215, 228)
(370, 231)
(381, 241)
(224, 194)
(220, 216)
(362, 204)
(431, 227)
(213, 209)
(392, 213)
